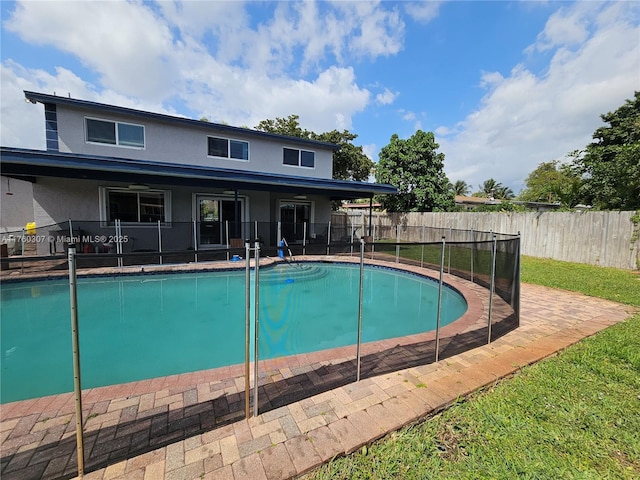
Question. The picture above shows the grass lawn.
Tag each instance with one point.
(576, 415)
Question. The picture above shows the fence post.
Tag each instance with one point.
(351, 237)
(160, 241)
(373, 239)
(226, 229)
(77, 389)
(279, 233)
(118, 242)
(328, 237)
(304, 238)
(473, 249)
(422, 248)
(515, 289)
(449, 260)
(359, 340)
(397, 243)
(492, 283)
(247, 328)
(256, 326)
(440, 298)
(195, 242)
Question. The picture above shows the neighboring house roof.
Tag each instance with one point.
(462, 200)
(359, 206)
(33, 163)
(35, 97)
(475, 201)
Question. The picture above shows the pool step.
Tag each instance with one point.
(294, 272)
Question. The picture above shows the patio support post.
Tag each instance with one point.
(360, 310)
(440, 299)
(76, 357)
(247, 329)
(492, 285)
(160, 241)
(256, 326)
(195, 241)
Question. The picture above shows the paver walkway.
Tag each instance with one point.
(192, 426)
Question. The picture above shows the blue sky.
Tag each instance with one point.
(503, 85)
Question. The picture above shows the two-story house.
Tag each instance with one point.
(193, 179)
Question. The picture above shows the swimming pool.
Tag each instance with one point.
(146, 326)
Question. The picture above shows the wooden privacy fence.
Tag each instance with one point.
(608, 239)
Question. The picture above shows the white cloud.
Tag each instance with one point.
(380, 32)
(525, 119)
(423, 11)
(386, 98)
(566, 27)
(408, 116)
(126, 43)
(202, 54)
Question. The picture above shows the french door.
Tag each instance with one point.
(213, 214)
(293, 216)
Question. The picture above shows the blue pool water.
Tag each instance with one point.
(139, 327)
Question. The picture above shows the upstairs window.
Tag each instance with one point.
(298, 158)
(226, 148)
(114, 133)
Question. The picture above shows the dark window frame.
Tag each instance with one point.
(114, 139)
(290, 154)
(228, 151)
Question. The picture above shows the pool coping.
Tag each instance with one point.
(38, 436)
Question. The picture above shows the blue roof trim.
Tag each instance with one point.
(44, 98)
(71, 165)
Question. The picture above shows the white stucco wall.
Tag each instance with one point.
(165, 142)
(16, 204)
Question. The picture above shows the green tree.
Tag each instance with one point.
(552, 182)
(488, 188)
(461, 188)
(284, 126)
(349, 162)
(417, 170)
(504, 193)
(611, 164)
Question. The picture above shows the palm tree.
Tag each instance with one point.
(488, 188)
(461, 187)
(504, 193)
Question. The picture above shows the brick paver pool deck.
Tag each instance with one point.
(192, 426)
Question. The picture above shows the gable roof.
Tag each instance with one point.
(35, 97)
